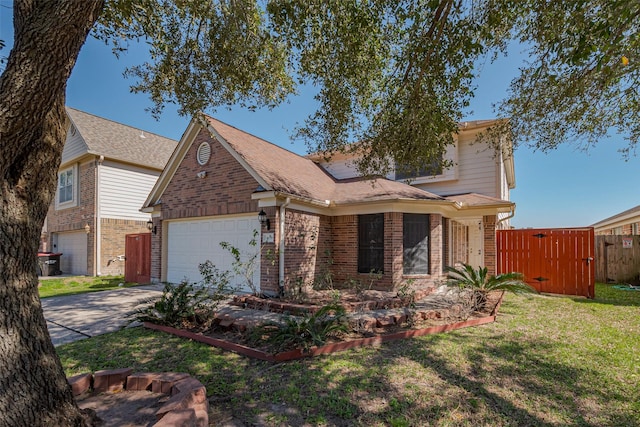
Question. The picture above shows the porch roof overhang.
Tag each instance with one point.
(473, 206)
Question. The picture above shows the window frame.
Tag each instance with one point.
(371, 243)
(73, 201)
(416, 244)
(448, 174)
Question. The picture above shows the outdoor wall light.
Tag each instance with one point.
(152, 228)
(262, 217)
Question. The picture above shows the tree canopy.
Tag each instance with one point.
(393, 75)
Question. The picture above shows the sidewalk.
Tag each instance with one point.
(75, 317)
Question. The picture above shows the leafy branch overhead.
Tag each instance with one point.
(394, 76)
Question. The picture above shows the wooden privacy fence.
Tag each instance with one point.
(618, 259)
(553, 260)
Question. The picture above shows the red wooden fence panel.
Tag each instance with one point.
(137, 251)
(553, 260)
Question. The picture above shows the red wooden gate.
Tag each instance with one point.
(555, 260)
(137, 251)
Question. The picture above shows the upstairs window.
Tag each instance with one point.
(415, 239)
(371, 243)
(433, 169)
(66, 188)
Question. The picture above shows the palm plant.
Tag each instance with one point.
(479, 283)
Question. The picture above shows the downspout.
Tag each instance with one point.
(511, 215)
(281, 248)
(98, 227)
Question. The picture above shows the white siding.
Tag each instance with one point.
(123, 190)
(476, 171)
(74, 147)
(340, 169)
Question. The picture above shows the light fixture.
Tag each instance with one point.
(151, 227)
(87, 228)
(262, 217)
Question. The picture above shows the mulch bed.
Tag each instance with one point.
(436, 318)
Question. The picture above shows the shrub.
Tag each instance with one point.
(479, 283)
(306, 331)
(188, 302)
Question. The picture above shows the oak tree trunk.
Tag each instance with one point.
(33, 125)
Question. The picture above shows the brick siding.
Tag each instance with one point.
(77, 217)
(490, 253)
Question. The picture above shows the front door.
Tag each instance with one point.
(476, 243)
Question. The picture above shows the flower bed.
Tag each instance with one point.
(396, 327)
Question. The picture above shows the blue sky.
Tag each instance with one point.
(564, 188)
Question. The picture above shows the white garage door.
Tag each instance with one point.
(190, 243)
(73, 247)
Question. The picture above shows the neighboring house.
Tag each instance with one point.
(321, 217)
(107, 171)
(625, 223)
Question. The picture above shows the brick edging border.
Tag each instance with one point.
(325, 349)
(187, 405)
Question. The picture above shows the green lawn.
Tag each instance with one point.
(56, 286)
(547, 361)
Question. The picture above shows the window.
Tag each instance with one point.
(433, 169)
(371, 243)
(415, 238)
(66, 187)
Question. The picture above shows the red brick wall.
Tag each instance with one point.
(269, 261)
(77, 217)
(489, 222)
(226, 189)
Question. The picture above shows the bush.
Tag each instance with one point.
(188, 302)
(478, 283)
(306, 331)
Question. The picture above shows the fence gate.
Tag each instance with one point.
(137, 252)
(554, 260)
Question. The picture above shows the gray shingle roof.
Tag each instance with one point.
(121, 142)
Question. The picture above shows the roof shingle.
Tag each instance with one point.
(287, 172)
(121, 142)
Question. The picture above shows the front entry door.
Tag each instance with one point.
(476, 242)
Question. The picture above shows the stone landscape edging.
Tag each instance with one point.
(187, 406)
(325, 349)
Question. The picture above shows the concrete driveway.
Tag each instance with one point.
(75, 317)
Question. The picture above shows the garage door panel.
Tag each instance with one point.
(73, 247)
(191, 243)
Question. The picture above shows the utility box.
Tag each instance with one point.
(49, 263)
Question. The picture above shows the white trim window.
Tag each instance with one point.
(67, 188)
(436, 172)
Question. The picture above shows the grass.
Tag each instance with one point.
(58, 286)
(547, 361)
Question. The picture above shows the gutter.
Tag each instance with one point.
(98, 227)
(508, 217)
(282, 223)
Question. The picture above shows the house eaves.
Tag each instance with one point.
(618, 219)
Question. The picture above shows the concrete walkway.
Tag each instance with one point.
(75, 317)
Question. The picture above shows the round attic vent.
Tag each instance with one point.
(204, 152)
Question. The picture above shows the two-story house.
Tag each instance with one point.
(313, 217)
(106, 173)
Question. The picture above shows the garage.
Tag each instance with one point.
(73, 246)
(192, 242)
